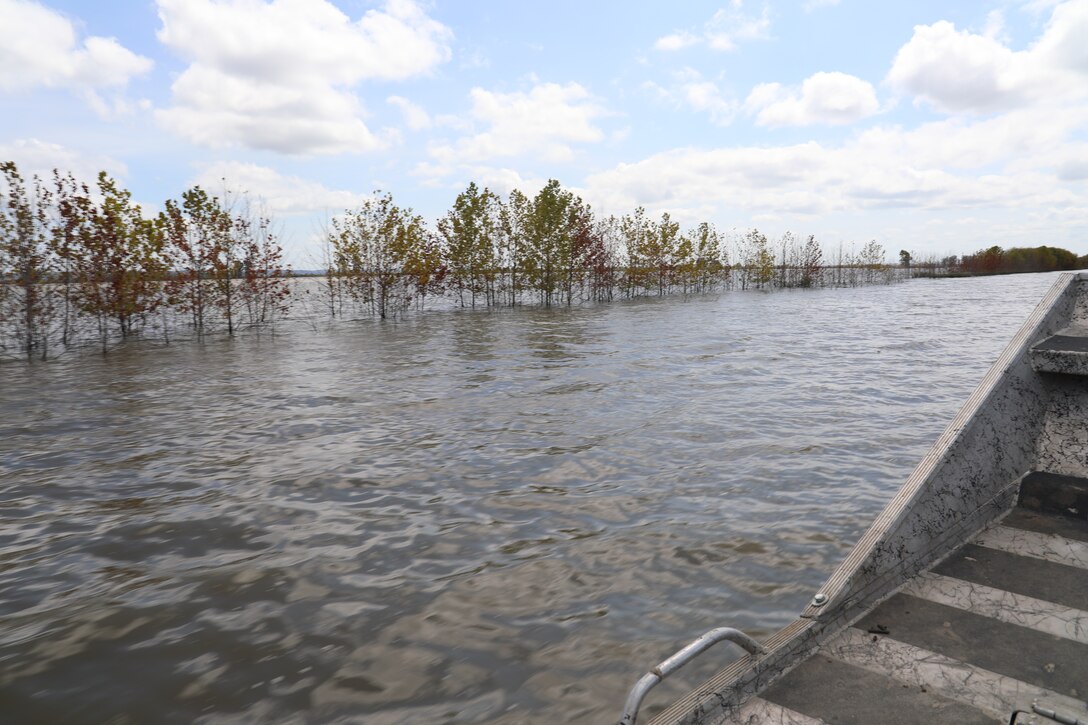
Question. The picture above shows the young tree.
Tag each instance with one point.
(469, 232)
(513, 242)
(871, 260)
(73, 204)
(197, 237)
(600, 259)
(710, 260)
(549, 237)
(584, 245)
(811, 262)
(264, 288)
(659, 251)
(757, 260)
(376, 246)
(424, 263)
(636, 230)
(119, 265)
(25, 258)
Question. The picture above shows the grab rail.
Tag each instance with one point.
(678, 660)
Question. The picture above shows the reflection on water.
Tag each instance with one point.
(503, 516)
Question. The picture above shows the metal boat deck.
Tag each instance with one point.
(996, 626)
(967, 598)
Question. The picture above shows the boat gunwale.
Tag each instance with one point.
(845, 600)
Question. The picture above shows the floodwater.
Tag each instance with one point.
(462, 516)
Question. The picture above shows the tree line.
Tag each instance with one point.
(995, 260)
(552, 249)
(83, 263)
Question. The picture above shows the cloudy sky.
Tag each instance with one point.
(933, 126)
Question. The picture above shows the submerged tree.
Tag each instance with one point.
(811, 262)
(197, 234)
(73, 202)
(711, 257)
(26, 259)
(636, 229)
(552, 259)
(264, 288)
(470, 232)
(119, 265)
(515, 218)
(378, 249)
(757, 260)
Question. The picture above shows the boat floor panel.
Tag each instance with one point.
(843, 694)
(1024, 654)
(1046, 580)
(1056, 493)
(1064, 343)
(965, 683)
(1048, 547)
(1005, 606)
(1063, 526)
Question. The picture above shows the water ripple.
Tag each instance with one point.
(466, 517)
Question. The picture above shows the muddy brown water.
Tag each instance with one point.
(462, 516)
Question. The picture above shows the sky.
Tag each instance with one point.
(936, 127)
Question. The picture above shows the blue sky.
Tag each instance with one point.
(935, 127)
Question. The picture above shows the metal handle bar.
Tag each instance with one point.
(678, 660)
(1049, 714)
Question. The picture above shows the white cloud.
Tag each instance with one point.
(280, 75)
(817, 4)
(415, 117)
(676, 41)
(283, 195)
(995, 26)
(727, 28)
(1020, 161)
(33, 156)
(832, 98)
(706, 96)
(544, 123)
(989, 76)
(40, 47)
(693, 92)
(1074, 169)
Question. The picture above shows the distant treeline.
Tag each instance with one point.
(83, 264)
(552, 249)
(996, 260)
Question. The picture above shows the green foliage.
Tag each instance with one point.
(120, 262)
(757, 261)
(381, 253)
(26, 260)
(200, 248)
(80, 253)
(470, 233)
(995, 260)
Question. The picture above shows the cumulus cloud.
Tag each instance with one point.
(958, 71)
(40, 47)
(415, 117)
(727, 28)
(280, 75)
(282, 194)
(1009, 162)
(34, 156)
(544, 123)
(693, 92)
(831, 98)
(817, 4)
